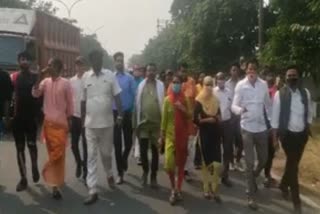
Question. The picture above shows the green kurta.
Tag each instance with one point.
(149, 126)
(168, 126)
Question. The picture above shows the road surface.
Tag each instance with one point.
(128, 198)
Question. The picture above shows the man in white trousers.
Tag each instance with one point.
(100, 89)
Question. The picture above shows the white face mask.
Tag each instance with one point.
(220, 83)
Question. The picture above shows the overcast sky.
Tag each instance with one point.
(128, 24)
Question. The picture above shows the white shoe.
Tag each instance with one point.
(232, 167)
(239, 167)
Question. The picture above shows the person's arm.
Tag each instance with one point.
(236, 104)
(83, 101)
(275, 118)
(164, 119)
(267, 103)
(310, 112)
(37, 89)
(116, 90)
(69, 99)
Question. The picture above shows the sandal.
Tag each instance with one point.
(173, 199)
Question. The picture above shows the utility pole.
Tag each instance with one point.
(261, 25)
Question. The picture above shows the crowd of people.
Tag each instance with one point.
(213, 124)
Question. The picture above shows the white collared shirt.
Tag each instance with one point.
(231, 85)
(225, 100)
(296, 118)
(254, 99)
(77, 91)
(99, 92)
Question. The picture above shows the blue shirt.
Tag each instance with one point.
(128, 86)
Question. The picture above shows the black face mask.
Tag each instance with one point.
(292, 81)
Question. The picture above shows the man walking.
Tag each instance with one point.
(58, 109)
(127, 95)
(251, 100)
(148, 108)
(269, 77)
(237, 138)
(26, 109)
(100, 89)
(77, 129)
(224, 96)
(291, 119)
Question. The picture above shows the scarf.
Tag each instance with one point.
(208, 100)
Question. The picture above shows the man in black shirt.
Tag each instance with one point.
(5, 96)
(24, 121)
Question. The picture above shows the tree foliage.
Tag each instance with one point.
(207, 34)
(295, 39)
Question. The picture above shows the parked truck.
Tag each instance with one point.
(44, 36)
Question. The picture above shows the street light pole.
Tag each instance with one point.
(69, 9)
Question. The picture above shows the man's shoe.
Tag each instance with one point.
(226, 182)
(91, 199)
(22, 185)
(144, 179)
(297, 209)
(56, 194)
(78, 171)
(119, 180)
(284, 192)
(154, 182)
(35, 175)
(252, 204)
(111, 182)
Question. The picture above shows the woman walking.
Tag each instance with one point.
(174, 138)
(206, 117)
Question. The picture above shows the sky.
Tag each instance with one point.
(126, 25)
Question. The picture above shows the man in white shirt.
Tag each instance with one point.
(291, 119)
(100, 89)
(250, 101)
(77, 129)
(224, 96)
(237, 138)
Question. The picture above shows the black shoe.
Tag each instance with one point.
(78, 171)
(91, 199)
(226, 182)
(217, 199)
(297, 209)
(269, 182)
(284, 192)
(85, 173)
(144, 179)
(22, 185)
(154, 182)
(125, 166)
(119, 180)
(35, 175)
(252, 204)
(56, 194)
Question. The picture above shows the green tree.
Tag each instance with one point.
(207, 34)
(295, 39)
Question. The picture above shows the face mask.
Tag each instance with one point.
(292, 81)
(220, 83)
(176, 88)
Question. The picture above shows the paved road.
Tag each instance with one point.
(128, 198)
